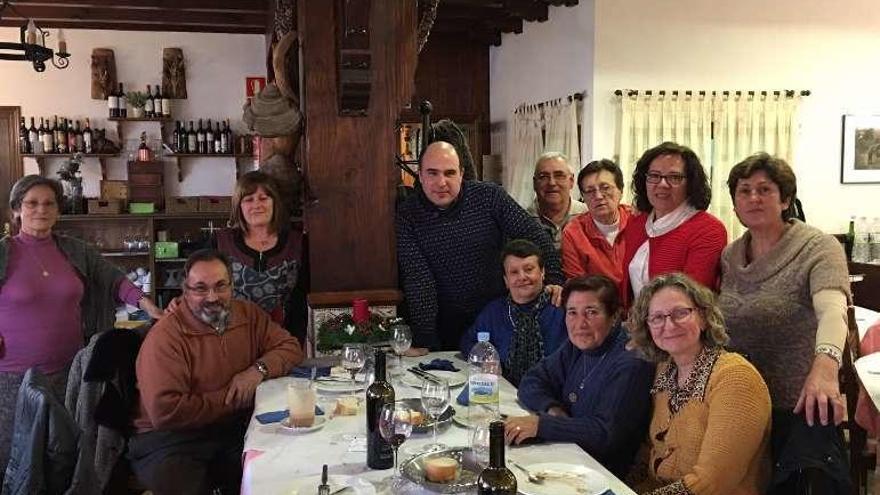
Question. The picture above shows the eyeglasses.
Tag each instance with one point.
(204, 290)
(604, 189)
(33, 204)
(671, 179)
(762, 192)
(557, 176)
(677, 315)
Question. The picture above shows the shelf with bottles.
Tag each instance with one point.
(205, 141)
(63, 138)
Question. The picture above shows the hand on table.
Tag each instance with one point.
(555, 293)
(242, 388)
(415, 352)
(520, 428)
(820, 387)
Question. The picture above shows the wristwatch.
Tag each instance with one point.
(262, 368)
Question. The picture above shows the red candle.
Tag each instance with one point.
(360, 311)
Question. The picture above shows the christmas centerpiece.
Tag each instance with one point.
(361, 326)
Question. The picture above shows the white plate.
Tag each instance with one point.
(454, 378)
(578, 480)
(309, 486)
(339, 386)
(461, 413)
(319, 423)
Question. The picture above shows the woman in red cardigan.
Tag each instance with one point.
(674, 233)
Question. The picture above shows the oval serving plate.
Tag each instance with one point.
(413, 469)
(427, 426)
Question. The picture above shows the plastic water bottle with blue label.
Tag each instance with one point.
(484, 368)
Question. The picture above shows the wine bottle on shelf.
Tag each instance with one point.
(200, 137)
(123, 102)
(71, 138)
(380, 392)
(113, 103)
(157, 103)
(209, 138)
(61, 137)
(34, 139)
(87, 138)
(166, 104)
(23, 144)
(191, 140)
(175, 140)
(224, 138)
(79, 141)
(218, 145)
(48, 138)
(149, 108)
(496, 479)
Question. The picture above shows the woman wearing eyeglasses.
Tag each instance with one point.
(673, 232)
(784, 292)
(55, 293)
(592, 390)
(710, 428)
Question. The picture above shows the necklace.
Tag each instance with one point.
(35, 258)
(573, 396)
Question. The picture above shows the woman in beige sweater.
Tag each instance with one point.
(710, 428)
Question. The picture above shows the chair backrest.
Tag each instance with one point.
(849, 386)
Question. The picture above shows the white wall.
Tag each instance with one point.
(216, 65)
(547, 60)
(825, 46)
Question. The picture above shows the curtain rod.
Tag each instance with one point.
(789, 93)
(574, 96)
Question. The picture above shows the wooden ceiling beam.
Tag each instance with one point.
(44, 13)
(529, 10)
(123, 25)
(236, 5)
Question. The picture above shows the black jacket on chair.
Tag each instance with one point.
(807, 459)
(44, 442)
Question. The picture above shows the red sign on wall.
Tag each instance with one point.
(254, 85)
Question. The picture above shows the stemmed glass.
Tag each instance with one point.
(353, 359)
(435, 399)
(480, 443)
(395, 426)
(401, 339)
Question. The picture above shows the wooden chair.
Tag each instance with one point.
(861, 460)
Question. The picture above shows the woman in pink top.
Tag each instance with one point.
(673, 233)
(55, 292)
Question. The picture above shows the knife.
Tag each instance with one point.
(425, 375)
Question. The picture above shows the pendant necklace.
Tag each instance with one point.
(45, 272)
(573, 396)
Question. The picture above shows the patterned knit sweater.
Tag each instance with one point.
(768, 308)
(449, 259)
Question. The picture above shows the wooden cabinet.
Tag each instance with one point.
(128, 241)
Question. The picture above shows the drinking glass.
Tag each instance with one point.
(480, 443)
(301, 402)
(435, 399)
(401, 338)
(353, 359)
(395, 426)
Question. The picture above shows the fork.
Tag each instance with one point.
(534, 478)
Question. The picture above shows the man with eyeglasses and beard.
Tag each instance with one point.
(197, 371)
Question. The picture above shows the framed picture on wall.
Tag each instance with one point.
(860, 156)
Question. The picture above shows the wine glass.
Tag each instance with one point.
(480, 443)
(401, 338)
(435, 399)
(395, 426)
(353, 359)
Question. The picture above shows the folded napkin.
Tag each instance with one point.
(306, 372)
(462, 398)
(438, 364)
(277, 416)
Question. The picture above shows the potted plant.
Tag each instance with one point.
(137, 100)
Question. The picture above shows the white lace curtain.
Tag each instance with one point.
(551, 126)
(721, 129)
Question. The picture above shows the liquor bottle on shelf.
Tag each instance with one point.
(144, 154)
(209, 138)
(123, 103)
(24, 146)
(218, 143)
(200, 137)
(149, 107)
(191, 140)
(71, 138)
(157, 103)
(379, 393)
(34, 139)
(166, 104)
(496, 479)
(225, 138)
(87, 138)
(48, 138)
(61, 137)
(79, 141)
(175, 140)
(113, 103)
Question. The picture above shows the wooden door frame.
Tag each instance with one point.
(14, 168)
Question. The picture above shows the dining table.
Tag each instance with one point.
(278, 461)
(868, 366)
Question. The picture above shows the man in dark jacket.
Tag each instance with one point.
(449, 240)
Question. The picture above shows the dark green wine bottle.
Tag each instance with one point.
(379, 452)
(496, 479)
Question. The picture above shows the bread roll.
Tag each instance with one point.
(346, 406)
(441, 469)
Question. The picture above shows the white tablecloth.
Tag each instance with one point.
(868, 367)
(275, 461)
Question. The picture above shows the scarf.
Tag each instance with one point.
(527, 343)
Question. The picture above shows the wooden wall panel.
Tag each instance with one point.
(349, 160)
(11, 168)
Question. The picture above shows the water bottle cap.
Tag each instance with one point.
(482, 336)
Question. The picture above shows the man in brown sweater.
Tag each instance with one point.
(197, 371)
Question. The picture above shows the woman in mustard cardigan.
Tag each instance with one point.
(710, 428)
